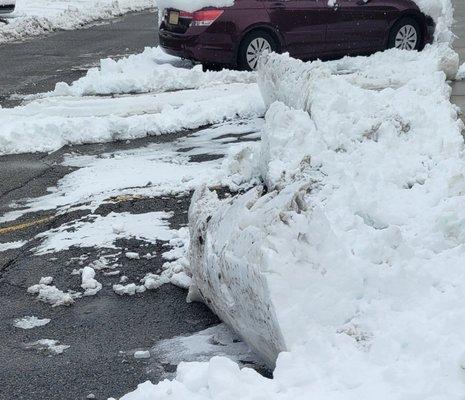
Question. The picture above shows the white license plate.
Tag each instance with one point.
(173, 18)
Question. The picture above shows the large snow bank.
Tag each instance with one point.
(36, 17)
(351, 260)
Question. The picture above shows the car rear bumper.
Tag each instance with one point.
(196, 47)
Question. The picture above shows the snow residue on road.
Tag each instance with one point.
(36, 17)
(49, 346)
(151, 171)
(30, 322)
(351, 261)
(12, 245)
(98, 231)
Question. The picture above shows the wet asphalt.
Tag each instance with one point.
(103, 330)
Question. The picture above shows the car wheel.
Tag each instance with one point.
(405, 35)
(252, 47)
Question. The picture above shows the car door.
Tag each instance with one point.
(302, 24)
(357, 27)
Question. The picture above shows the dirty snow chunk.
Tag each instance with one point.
(97, 231)
(36, 17)
(181, 279)
(30, 322)
(52, 295)
(11, 245)
(46, 280)
(153, 281)
(132, 255)
(142, 354)
(49, 346)
(130, 289)
(150, 71)
(90, 285)
(461, 72)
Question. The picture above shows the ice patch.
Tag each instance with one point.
(30, 322)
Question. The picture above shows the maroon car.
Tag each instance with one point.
(307, 29)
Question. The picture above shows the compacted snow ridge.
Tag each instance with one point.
(36, 17)
(30, 322)
(345, 269)
(74, 115)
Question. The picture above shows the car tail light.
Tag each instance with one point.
(203, 17)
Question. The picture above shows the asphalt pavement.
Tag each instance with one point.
(37, 65)
(103, 330)
(458, 88)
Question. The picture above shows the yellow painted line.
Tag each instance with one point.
(24, 225)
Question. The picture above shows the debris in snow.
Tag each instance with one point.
(142, 354)
(132, 255)
(30, 322)
(130, 289)
(51, 294)
(49, 346)
(90, 285)
(11, 245)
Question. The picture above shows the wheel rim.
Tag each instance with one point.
(255, 49)
(406, 38)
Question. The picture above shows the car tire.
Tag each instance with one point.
(405, 35)
(256, 42)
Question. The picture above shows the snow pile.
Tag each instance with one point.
(30, 322)
(36, 17)
(130, 289)
(150, 71)
(350, 260)
(90, 285)
(51, 294)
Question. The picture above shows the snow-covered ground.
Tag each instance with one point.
(36, 17)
